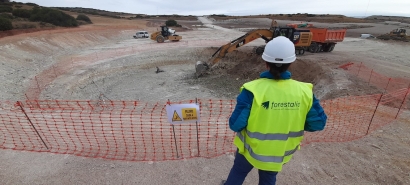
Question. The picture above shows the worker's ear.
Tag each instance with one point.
(267, 65)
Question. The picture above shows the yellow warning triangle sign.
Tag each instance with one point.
(176, 117)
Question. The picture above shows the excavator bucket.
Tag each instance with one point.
(201, 68)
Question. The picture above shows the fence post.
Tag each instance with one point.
(175, 138)
(385, 90)
(197, 130)
(374, 113)
(404, 99)
(29, 120)
(371, 73)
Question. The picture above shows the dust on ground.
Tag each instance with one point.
(379, 158)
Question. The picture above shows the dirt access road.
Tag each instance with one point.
(99, 60)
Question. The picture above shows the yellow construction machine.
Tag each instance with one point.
(399, 32)
(301, 38)
(396, 34)
(165, 34)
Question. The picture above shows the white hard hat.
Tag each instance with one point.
(279, 50)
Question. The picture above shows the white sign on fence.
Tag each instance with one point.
(183, 113)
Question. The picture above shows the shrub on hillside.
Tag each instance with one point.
(113, 16)
(54, 17)
(171, 22)
(22, 13)
(83, 17)
(6, 2)
(5, 24)
(24, 26)
(32, 4)
(219, 15)
(5, 8)
(6, 15)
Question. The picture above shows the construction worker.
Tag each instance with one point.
(271, 116)
(283, 33)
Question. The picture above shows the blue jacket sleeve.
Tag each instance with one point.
(316, 117)
(239, 118)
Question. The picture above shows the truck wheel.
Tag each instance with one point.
(302, 51)
(160, 39)
(332, 47)
(319, 48)
(313, 47)
(326, 47)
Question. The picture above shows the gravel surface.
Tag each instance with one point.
(96, 62)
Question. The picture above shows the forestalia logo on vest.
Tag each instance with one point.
(281, 105)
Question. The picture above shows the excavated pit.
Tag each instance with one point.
(136, 77)
(121, 68)
(133, 77)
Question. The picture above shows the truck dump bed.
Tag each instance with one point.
(324, 35)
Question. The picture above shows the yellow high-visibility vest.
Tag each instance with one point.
(276, 123)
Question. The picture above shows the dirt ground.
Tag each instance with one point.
(104, 59)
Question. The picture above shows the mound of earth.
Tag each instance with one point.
(241, 66)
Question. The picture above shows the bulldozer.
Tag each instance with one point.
(165, 34)
(301, 38)
(396, 34)
(399, 32)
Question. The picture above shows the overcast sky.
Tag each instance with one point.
(240, 7)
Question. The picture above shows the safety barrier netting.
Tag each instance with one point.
(376, 79)
(139, 131)
(115, 129)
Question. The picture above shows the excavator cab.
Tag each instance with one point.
(286, 32)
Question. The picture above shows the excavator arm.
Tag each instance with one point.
(301, 39)
(265, 34)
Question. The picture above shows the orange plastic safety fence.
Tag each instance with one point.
(135, 131)
(138, 131)
(373, 78)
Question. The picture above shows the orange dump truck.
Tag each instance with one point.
(325, 39)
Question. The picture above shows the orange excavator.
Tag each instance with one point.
(301, 38)
(304, 36)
